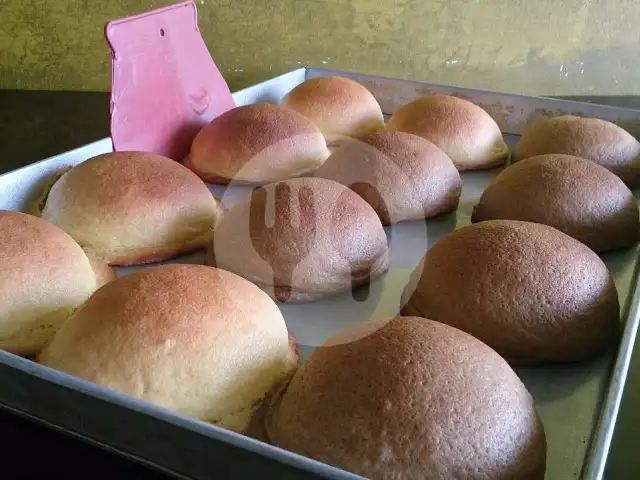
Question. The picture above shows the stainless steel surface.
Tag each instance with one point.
(578, 403)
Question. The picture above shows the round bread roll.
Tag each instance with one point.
(256, 144)
(302, 239)
(44, 277)
(130, 208)
(402, 176)
(527, 290)
(463, 130)
(410, 398)
(574, 195)
(597, 140)
(341, 107)
(193, 339)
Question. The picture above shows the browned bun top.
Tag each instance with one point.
(465, 132)
(341, 107)
(194, 339)
(402, 176)
(128, 208)
(410, 398)
(582, 199)
(529, 291)
(302, 239)
(258, 143)
(44, 276)
(597, 140)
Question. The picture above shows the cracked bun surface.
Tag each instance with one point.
(410, 398)
(529, 291)
(131, 208)
(577, 196)
(191, 338)
(463, 130)
(44, 277)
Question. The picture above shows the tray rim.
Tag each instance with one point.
(559, 101)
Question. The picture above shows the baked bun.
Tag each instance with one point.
(257, 143)
(410, 398)
(465, 132)
(597, 140)
(44, 277)
(193, 339)
(402, 176)
(341, 107)
(130, 208)
(574, 195)
(527, 290)
(302, 239)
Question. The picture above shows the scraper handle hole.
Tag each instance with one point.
(162, 32)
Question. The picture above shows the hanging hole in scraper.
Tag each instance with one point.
(162, 32)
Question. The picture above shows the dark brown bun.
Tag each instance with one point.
(130, 208)
(44, 277)
(341, 107)
(194, 339)
(302, 239)
(410, 398)
(255, 144)
(527, 290)
(463, 130)
(597, 140)
(402, 176)
(574, 195)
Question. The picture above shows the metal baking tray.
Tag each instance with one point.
(578, 403)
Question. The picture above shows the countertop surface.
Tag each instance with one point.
(35, 125)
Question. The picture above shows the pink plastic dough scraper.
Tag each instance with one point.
(164, 84)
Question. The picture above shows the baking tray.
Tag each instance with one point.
(578, 403)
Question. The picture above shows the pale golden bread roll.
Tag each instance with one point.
(402, 176)
(578, 197)
(527, 290)
(44, 277)
(256, 144)
(597, 140)
(302, 239)
(341, 107)
(194, 339)
(410, 398)
(130, 208)
(463, 130)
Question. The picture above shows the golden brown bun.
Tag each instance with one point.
(130, 208)
(302, 239)
(465, 132)
(574, 195)
(527, 290)
(410, 398)
(341, 107)
(44, 277)
(402, 176)
(194, 339)
(258, 143)
(597, 140)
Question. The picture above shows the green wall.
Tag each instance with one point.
(532, 46)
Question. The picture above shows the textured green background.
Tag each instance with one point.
(551, 46)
